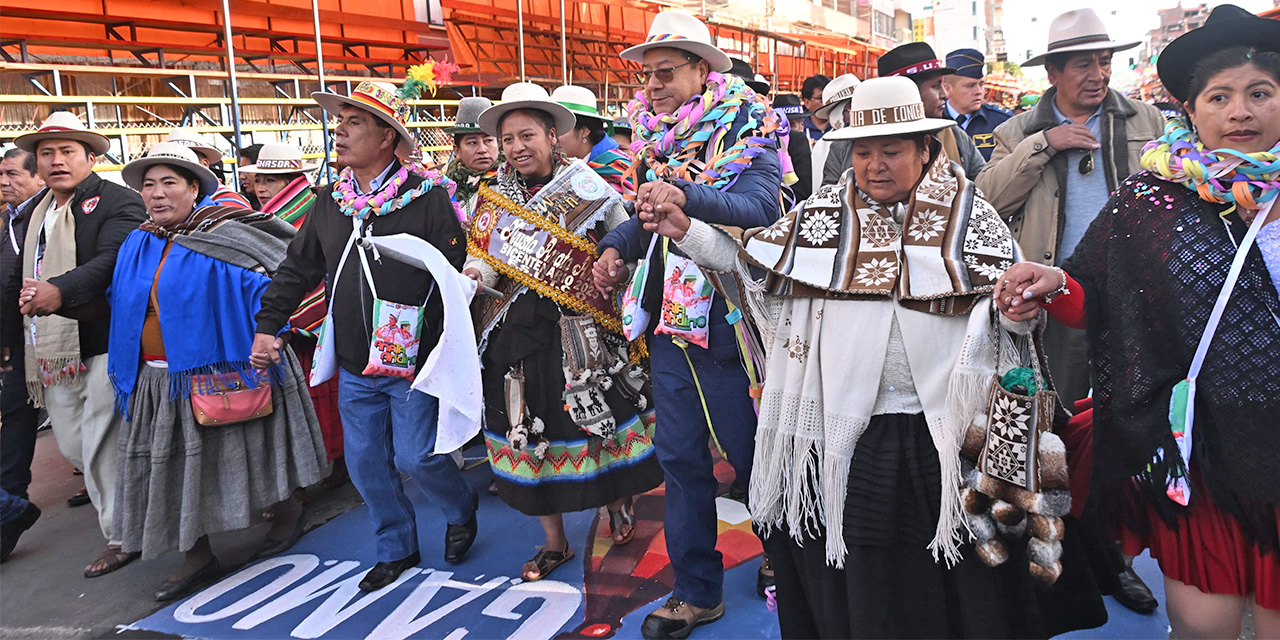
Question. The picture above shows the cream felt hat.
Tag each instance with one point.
(196, 142)
(170, 153)
(280, 158)
(1079, 30)
(887, 107)
(836, 92)
(527, 95)
(580, 100)
(684, 31)
(63, 125)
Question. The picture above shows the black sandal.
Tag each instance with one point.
(623, 517)
(544, 562)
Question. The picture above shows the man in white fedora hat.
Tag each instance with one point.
(732, 178)
(1051, 172)
(475, 153)
(388, 428)
(211, 157)
(68, 256)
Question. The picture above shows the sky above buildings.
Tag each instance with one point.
(1026, 23)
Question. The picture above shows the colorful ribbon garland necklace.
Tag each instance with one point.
(1219, 175)
(671, 142)
(388, 198)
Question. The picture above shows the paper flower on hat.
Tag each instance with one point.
(428, 76)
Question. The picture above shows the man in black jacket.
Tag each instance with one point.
(387, 427)
(19, 184)
(75, 228)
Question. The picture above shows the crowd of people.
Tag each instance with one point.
(1032, 318)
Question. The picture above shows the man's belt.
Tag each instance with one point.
(538, 253)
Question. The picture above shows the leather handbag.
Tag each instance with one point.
(225, 398)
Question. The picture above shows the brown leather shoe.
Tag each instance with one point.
(677, 618)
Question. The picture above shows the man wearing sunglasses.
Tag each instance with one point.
(1054, 166)
(699, 383)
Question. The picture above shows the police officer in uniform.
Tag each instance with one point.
(965, 104)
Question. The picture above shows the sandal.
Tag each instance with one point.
(544, 562)
(114, 559)
(623, 517)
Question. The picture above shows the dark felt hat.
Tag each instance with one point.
(911, 59)
(744, 70)
(789, 105)
(1228, 26)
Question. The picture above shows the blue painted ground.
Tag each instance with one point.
(311, 591)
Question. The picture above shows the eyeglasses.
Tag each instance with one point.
(1086, 163)
(664, 75)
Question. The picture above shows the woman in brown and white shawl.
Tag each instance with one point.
(871, 298)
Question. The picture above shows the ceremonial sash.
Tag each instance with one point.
(535, 251)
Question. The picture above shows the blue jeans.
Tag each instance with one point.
(389, 429)
(18, 437)
(11, 506)
(681, 438)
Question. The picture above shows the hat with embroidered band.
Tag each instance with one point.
(969, 63)
(378, 98)
(1079, 30)
(887, 107)
(580, 100)
(468, 118)
(622, 124)
(684, 31)
(837, 92)
(789, 105)
(527, 95)
(174, 154)
(1227, 26)
(911, 59)
(196, 142)
(63, 125)
(280, 158)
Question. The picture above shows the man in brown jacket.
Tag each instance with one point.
(1054, 168)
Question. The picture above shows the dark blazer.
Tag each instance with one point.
(105, 213)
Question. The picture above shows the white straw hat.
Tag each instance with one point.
(196, 142)
(527, 95)
(378, 98)
(835, 92)
(63, 125)
(280, 158)
(887, 107)
(580, 100)
(684, 31)
(1079, 30)
(170, 153)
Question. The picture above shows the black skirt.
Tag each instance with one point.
(579, 471)
(891, 587)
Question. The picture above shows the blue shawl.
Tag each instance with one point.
(206, 314)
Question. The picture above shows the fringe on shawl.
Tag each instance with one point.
(180, 386)
(967, 393)
(52, 372)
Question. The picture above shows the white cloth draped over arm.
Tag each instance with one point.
(451, 372)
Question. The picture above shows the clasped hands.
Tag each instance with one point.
(1018, 292)
(660, 206)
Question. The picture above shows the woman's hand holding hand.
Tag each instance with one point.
(609, 270)
(266, 351)
(1018, 291)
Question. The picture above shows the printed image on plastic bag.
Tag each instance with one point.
(686, 301)
(393, 349)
